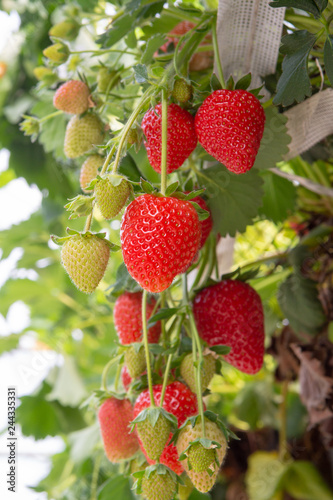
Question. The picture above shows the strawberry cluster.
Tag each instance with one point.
(169, 346)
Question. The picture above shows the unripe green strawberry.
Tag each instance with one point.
(158, 486)
(184, 490)
(107, 79)
(187, 371)
(67, 30)
(182, 91)
(42, 73)
(82, 133)
(203, 481)
(89, 171)
(72, 97)
(200, 458)
(58, 52)
(135, 361)
(111, 194)
(85, 258)
(153, 426)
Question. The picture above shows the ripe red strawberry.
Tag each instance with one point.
(231, 313)
(82, 133)
(187, 371)
(72, 97)
(111, 192)
(203, 481)
(127, 317)
(85, 258)
(89, 171)
(135, 361)
(229, 125)
(125, 378)
(181, 136)
(158, 485)
(207, 224)
(114, 418)
(160, 237)
(58, 52)
(179, 401)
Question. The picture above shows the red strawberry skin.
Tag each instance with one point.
(231, 313)
(207, 224)
(127, 317)
(160, 237)
(229, 125)
(125, 378)
(182, 138)
(114, 418)
(179, 401)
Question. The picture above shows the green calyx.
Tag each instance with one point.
(153, 426)
(80, 206)
(59, 240)
(156, 482)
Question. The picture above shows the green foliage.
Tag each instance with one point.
(298, 299)
(294, 83)
(314, 7)
(233, 199)
(279, 197)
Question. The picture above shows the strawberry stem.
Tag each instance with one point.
(145, 342)
(88, 221)
(198, 366)
(108, 160)
(144, 100)
(104, 384)
(217, 55)
(52, 115)
(165, 379)
(164, 142)
(283, 452)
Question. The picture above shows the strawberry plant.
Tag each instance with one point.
(188, 368)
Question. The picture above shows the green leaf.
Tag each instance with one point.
(215, 83)
(68, 388)
(83, 442)
(303, 481)
(141, 73)
(314, 7)
(244, 82)
(153, 44)
(128, 168)
(116, 487)
(328, 58)
(202, 214)
(220, 349)
(124, 281)
(56, 418)
(298, 299)
(197, 495)
(147, 187)
(171, 188)
(120, 28)
(263, 475)
(255, 404)
(164, 313)
(294, 83)
(233, 199)
(279, 198)
(274, 143)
